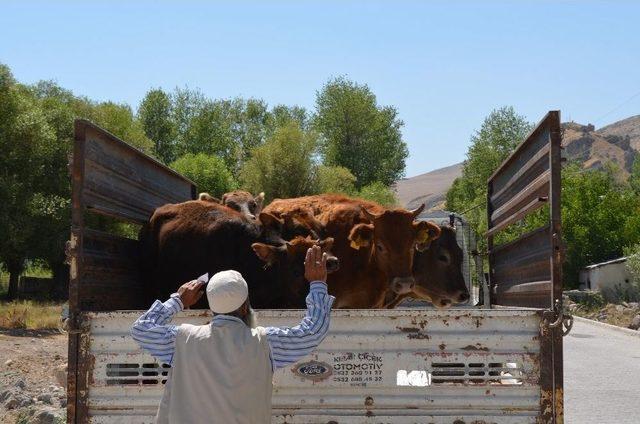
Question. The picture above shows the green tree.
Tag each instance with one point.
(499, 135)
(281, 115)
(119, 120)
(336, 179)
(208, 172)
(634, 178)
(155, 117)
(186, 103)
(25, 140)
(284, 165)
(379, 193)
(358, 134)
(211, 131)
(600, 215)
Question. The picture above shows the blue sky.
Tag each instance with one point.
(445, 66)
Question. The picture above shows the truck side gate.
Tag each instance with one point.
(498, 364)
(527, 271)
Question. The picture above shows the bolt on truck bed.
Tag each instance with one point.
(472, 365)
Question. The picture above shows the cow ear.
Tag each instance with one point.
(270, 221)
(326, 244)
(361, 235)
(426, 232)
(208, 198)
(268, 254)
(259, 199)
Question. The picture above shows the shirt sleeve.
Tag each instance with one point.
(152, 330)
(288, 345)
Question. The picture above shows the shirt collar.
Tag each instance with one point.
(225, 318)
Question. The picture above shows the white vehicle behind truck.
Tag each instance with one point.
(496, 363)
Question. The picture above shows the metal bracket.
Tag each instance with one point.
(563, 319)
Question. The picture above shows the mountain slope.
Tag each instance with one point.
(429, 188)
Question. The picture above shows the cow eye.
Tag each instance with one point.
(379, 247)
(443, 258)
(252, 206)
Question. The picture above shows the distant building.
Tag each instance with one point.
(606, 276)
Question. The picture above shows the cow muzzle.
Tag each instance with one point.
(403, 285)
(333, 264)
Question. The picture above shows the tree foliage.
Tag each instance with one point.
(379, 193)
(498, 136)
(284, 165)
(154, 114)
(358, 134)
(208, 172)
(599, 217)
(336, 179)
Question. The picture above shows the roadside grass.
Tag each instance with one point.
(30, 315)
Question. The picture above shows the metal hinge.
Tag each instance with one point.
(563, 318)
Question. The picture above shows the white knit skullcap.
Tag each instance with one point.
(226, 291)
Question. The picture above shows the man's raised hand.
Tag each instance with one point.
(190, 293)
(315, 265)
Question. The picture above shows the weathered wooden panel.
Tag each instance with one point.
(110, 274)
(123, 182)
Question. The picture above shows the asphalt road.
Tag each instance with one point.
(601, 375)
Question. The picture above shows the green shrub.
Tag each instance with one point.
(208, 172)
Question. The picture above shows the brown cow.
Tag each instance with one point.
(182, 241)
(238, 200)
(375, 245)
(438, 273)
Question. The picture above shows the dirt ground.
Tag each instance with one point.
(32, 376)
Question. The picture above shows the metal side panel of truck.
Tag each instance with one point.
(499, 363)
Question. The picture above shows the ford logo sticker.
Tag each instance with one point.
(313, 370)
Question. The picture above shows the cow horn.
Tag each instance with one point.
(417, 210)
(369, 215)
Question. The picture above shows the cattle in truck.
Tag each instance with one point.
(437, 270)
(184, 240)
(375, 245)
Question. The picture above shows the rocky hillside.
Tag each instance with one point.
(618, 142)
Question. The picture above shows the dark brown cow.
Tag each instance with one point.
(182, 241)
(375, 245)
(238, 200)
(438, 273)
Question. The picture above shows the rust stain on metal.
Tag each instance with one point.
(409, 329)
(421, 323)
(559, 404)
(477, 347)
(368, 401)
(418, 336)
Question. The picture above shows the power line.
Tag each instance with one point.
(618, 107)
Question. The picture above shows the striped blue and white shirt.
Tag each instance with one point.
(155, 335)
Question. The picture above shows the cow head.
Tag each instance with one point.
(438, 271)
(244, 202)
(290, 255)
(392, 237)
(301, 222)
